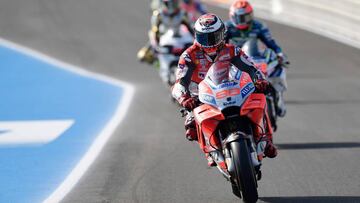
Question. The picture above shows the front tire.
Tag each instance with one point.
(244, 170)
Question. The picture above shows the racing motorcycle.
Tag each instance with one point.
(267, 61)
(232, 124)
(171, 45)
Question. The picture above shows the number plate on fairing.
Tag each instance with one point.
(227, 94)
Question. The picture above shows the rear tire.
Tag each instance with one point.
(244, 170)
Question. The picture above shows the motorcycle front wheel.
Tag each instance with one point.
(244, 170)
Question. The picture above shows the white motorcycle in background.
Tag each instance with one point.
(266, 61)
(171, 45)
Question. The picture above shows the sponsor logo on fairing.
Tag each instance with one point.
(207, 98)
(229, 103)
(247, 89)
(227, 84)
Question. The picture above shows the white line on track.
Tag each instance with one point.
(73, 178)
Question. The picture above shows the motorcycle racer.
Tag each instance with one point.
(241, 27)
(168, 15)
(209, 46)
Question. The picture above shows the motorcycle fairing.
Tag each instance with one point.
(207, 119)
(261, 65)
(233, 91)
(255, 109)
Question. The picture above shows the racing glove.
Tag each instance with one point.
(261, 84)
(189, 103)
(282, 59)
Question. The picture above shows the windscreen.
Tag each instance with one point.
(219, 72)
(251, 48)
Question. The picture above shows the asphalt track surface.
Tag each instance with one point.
(148, 158)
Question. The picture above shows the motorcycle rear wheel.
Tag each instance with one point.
(244, 170)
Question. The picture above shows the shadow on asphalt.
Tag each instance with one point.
(314, 102)
(321, 145)
(315, 199)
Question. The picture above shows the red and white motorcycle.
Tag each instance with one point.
(232, 126)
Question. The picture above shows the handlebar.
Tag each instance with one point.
(184, 111)
(285, 62)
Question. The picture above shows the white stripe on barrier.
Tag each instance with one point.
(276, 7)
(328, 8)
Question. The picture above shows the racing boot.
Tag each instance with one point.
(270, 150)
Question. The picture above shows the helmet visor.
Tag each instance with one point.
(210, 39)
(242, 19)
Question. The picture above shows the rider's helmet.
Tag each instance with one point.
(187, 1)
(169, 7)
(210, 33)
(241, 14)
